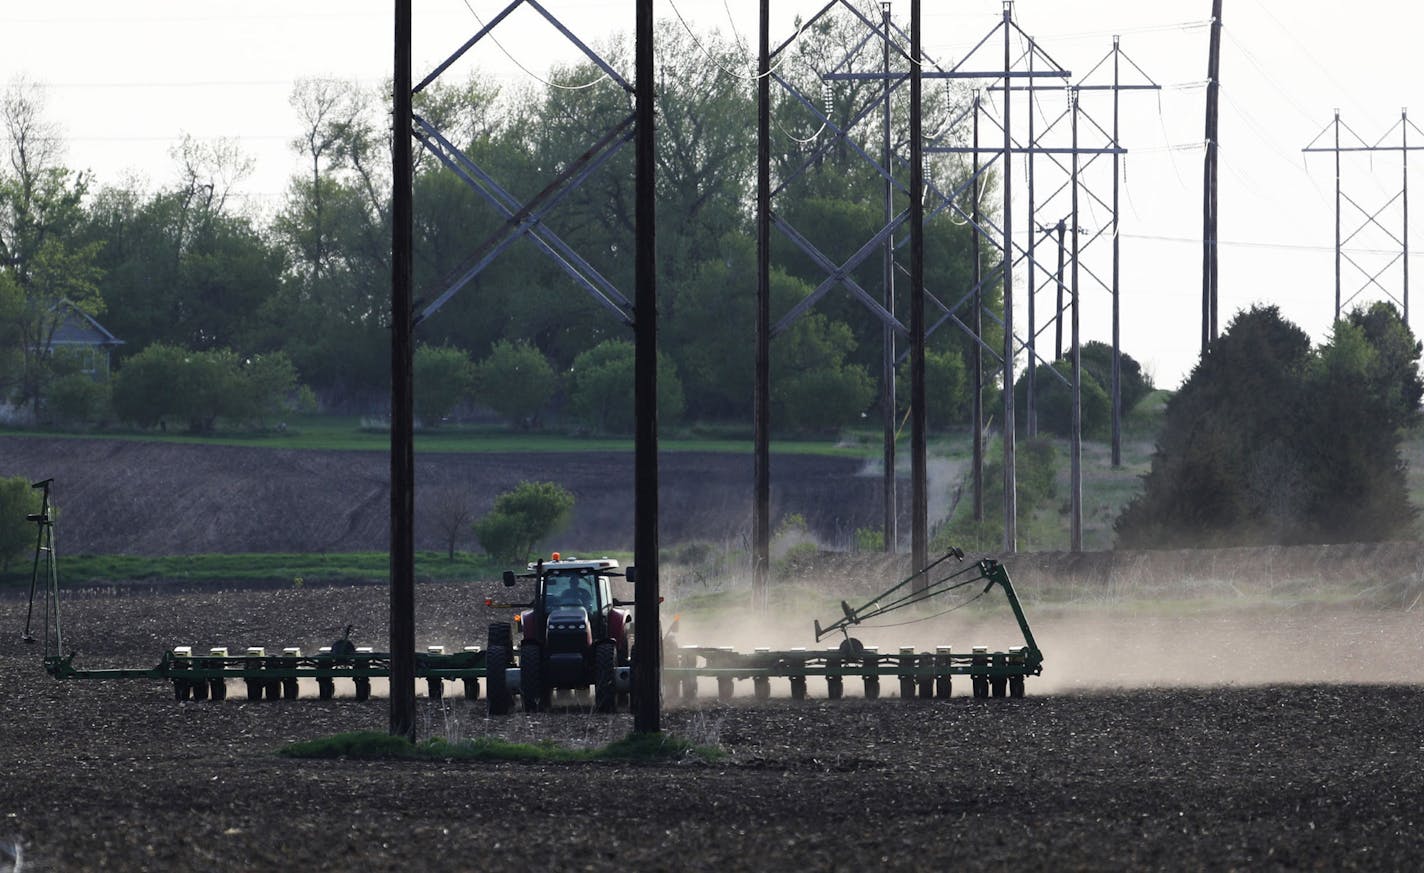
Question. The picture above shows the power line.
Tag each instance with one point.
(513, 60)
(1258, 244)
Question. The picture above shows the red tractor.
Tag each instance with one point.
(572, 635)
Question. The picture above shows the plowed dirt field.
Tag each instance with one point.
(119, 776)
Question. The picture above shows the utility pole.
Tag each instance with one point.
(919, 521)
(1058, 281)
(1031, 404)
(887, 333)
(1076, 474)
(761, 396)
(647, 669)
(977, 355)
(1337, 215)
(1209, 262)
(402, 545)
(1116, 289)
(1010, 460)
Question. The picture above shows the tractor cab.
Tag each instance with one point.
(573, 634)
(574, 605)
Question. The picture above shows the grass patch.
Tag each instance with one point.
(346, 433)
(374, 746)
(295, 570)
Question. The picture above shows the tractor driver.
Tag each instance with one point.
(572, 594)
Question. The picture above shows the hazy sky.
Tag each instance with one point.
(125, 81)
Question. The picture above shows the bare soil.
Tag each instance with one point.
(118, 776)
(148, 498)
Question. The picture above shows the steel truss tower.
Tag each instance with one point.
(529, 220)
(1370, 221)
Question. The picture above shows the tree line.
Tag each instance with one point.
(205, 291)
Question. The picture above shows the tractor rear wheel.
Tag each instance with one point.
(531, 678)
(497, 691)
(605, 677)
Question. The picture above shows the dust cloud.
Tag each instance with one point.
(1126, 642)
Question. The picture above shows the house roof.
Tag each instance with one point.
(79, 328)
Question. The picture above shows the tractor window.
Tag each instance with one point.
(571, 590)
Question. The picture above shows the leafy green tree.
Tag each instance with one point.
(521, 518)
(1359, 401)
(40, 213)
(1393, 368)
(270, 381)
(516, 381)
(443, 376)
(1097, 364)
(1054, 402)
(17, 499)
(1271, 442)
(164, 383)
(947, 389)
(601, 388)
(144, 385)
(814, 388)
(76, 399)
(1229, 469)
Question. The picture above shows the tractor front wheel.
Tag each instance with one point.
(531, 678)
(497, 691)
(605, 678)
(500, 634)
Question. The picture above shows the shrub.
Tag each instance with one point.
(516, 381)
(169, 384)
(17, 499)
(521, 518)
(601, 388)
(76, 400)
(443, 376)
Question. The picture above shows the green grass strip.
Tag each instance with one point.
(375, 746)
(296, 570)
